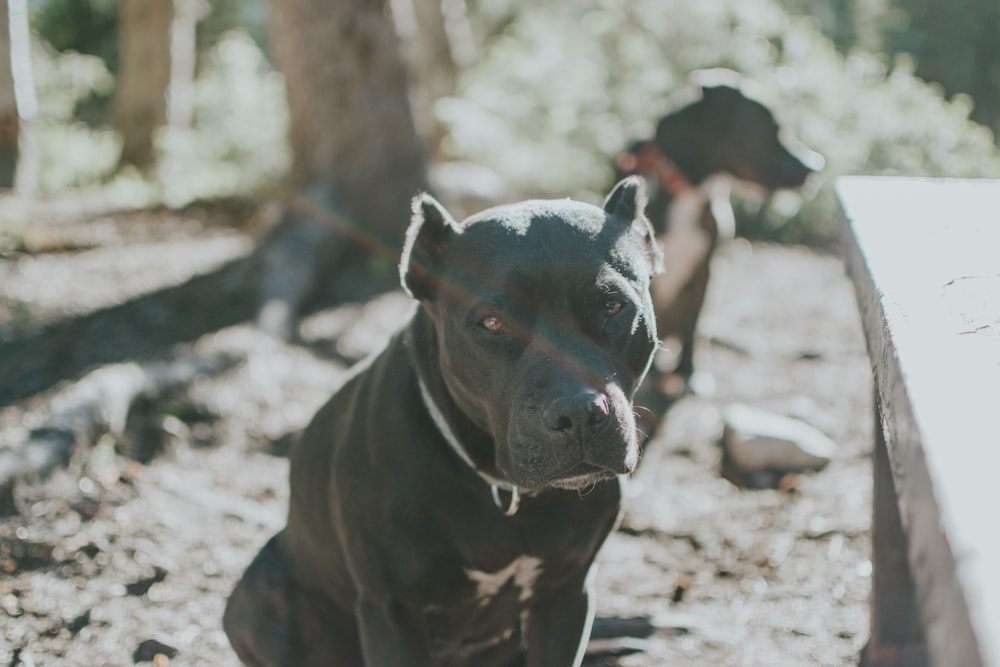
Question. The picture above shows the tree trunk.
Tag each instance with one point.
(18, 104)
(183, 61)
(180, 94)
(351, 128)
(143, 76)
(357, 159)
(357, 164)
(9, 120)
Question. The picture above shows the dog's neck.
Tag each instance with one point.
(649, 159)
(470, 443)
(687, 189)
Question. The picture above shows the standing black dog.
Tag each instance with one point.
(724, 132)
(448, 502)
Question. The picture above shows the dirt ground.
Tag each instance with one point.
(109, 561)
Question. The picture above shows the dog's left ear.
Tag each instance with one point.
(627, 203)
(627, 199)
(430, 227)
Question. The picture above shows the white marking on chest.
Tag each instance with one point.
(522, 573)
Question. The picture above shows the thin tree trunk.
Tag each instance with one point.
(26, 180)
(9, 121)
(423, 32)
(180, 94)
(183, 61)
(143, 77)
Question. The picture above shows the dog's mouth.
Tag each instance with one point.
(583, 476)
(577, 476)
(539, 456)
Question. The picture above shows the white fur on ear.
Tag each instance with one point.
(430, 226)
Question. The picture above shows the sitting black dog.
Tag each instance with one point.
(724, 132)
(447, 503)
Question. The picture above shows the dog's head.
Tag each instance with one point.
(728, 130)
(544, 327)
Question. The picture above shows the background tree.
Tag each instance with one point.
(357, 160)
(140, 105)
(17, 93)
(9, 122)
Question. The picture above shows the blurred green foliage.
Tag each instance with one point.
(70, 153)
(561, 87)
(954, 43)
(238, 140)
(91, 26)
(556, 89)
(236, 143)
(86, 26)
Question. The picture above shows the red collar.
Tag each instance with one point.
(649, 160)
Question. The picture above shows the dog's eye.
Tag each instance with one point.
(492, 323)
(613, 306)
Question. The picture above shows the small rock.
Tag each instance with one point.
(74, 625)
(142, 586)
(682, 584)
(760, 448)
(11, 605)
(150, 648)
(19, 553)
(702, 384)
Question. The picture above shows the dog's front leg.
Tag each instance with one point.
(558, 627)
(388, 634)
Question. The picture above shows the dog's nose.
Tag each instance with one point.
(580, 413)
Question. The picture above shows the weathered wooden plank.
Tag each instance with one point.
(924, 256)
(897, 635)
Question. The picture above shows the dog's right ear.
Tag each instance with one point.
(430, 227)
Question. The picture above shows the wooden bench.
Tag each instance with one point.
(924, 257)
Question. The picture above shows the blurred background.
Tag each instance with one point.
(152, 152)
(542, 94)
